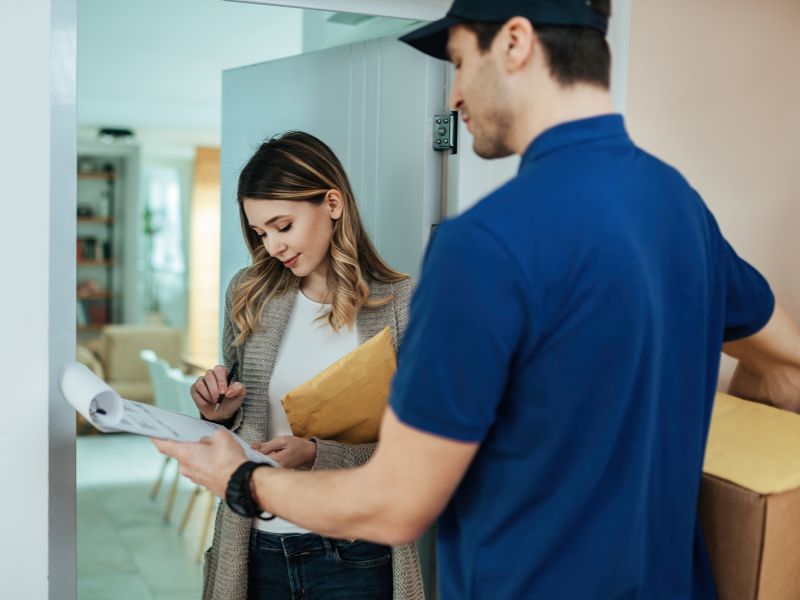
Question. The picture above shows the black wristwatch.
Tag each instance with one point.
(238, 495)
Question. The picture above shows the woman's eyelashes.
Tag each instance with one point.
(263, 234)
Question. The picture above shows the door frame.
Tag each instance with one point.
(423, 10)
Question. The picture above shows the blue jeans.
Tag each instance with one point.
(310, 567)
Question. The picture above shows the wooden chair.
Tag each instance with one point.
(181, 384)
(164, 396)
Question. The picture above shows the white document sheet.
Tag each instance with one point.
(108, 411)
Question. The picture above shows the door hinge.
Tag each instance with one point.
(445, 132)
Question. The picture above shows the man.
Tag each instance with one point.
(555, 385)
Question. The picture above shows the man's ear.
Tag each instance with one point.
(334, 203)
(519, 43)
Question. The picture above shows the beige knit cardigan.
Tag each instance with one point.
(225, 568)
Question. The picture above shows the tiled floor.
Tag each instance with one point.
(125, 549)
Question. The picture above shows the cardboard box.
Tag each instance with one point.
(750, 501)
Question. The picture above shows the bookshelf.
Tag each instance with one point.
(98, 242)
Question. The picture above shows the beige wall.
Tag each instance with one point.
(715, 90)
(204, 252)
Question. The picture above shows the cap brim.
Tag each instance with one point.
(432, 38)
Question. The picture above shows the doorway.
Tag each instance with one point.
(141, 527)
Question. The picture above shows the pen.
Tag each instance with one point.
(231, 373)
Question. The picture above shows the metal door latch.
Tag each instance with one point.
(445, 131)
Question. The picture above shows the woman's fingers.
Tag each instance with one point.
(198, 399)
(201, 389)
(211, 383)
(235, 390)
(278, 443)
(220, 379)
(203, 405)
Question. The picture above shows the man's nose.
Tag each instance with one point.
(455, 97)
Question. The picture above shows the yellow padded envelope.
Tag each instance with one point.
(754, 446)
(346, 401)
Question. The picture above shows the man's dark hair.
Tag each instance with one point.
(574, 54)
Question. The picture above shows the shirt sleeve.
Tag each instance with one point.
(467, 319)
(749, 302)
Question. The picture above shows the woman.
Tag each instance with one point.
(316, 289)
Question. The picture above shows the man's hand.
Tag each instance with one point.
(364, 502)
(289, 451)
(769, 363)
(209, 462)
(207, 390)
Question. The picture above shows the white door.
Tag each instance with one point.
(373, 104)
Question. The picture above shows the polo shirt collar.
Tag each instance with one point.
(574, 133)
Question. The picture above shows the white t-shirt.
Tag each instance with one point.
(309, 346)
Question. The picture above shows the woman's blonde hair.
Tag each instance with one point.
(299, 167)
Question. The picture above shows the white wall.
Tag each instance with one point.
(37, 306)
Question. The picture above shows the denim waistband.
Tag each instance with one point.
(292, 543)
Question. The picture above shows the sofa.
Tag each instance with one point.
(114, 356)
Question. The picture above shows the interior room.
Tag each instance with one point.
(148, 254)
(146, 112)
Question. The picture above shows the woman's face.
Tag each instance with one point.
(297, 233)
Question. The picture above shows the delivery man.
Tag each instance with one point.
(555, 386)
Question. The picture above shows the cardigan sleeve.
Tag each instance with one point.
(336, 455)
(231, 353)
(403, 290)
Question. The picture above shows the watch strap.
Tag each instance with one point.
(238, 494)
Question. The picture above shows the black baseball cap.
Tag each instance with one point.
(432, 38)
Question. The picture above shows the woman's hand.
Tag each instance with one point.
(207, 390)
(289, 451)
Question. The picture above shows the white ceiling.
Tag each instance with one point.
(156, 64)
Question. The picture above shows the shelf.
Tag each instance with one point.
(99, 240)
(95, 263)
(96, 296)
(96, 175)
(102, 220)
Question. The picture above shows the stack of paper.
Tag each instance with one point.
(107, 411)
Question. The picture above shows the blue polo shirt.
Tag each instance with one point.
(571, 323)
